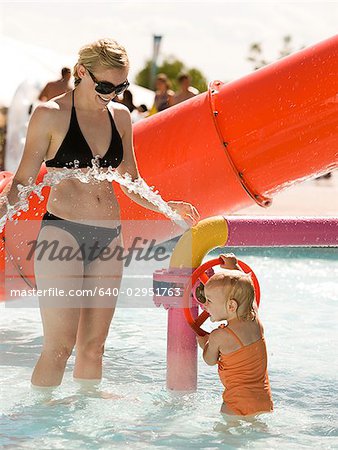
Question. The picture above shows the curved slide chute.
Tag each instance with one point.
(237, 144)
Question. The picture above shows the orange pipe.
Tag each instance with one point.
(243, 141)
(238, 143)
(246, 140)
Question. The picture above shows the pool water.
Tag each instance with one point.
(299, 311)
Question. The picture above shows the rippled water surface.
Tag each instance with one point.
(299, 310)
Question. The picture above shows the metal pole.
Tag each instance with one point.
(156, 49)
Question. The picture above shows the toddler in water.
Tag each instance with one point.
(239, 347)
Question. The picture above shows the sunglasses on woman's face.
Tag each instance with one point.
(105, 87)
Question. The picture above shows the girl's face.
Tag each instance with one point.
(215, 303)
(219, 304)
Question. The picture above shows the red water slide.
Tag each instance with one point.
(238, 143)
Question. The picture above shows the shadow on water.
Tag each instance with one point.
(17, 350)
(54, 419)
(177, 420)
(34, 421)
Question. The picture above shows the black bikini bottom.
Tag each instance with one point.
(92, 240)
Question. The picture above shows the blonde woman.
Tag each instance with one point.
(67, 132)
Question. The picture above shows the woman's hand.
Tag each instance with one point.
(187, 211)
(229, 262)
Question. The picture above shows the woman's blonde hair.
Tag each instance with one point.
(105, 53)
(237, 286)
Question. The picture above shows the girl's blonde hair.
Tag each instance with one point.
(105, 53)
(237, 286)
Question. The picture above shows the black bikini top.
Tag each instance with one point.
(74, 152)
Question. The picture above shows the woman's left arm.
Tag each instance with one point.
(128, 165)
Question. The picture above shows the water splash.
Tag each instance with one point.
(94, 173)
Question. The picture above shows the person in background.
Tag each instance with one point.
(136, 112)
(58, 87)
(127, 100)
(164, 97)
(185, 91)
(141, 112)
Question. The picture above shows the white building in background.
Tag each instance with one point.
(28, 68)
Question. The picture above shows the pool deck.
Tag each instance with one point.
(310, 198)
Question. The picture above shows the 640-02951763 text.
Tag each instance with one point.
(97, 291)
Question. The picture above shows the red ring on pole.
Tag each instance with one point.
(198, 273)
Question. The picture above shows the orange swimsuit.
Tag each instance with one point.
(244, 375)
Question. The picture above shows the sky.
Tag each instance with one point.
(211, 36)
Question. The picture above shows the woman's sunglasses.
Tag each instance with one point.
(105, 87)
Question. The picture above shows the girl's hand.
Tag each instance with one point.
(202, 340)
(229, 262)
(188, 212)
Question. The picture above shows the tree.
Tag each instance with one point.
(256, 52)
(172, 67)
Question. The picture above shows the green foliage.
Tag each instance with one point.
(143, 77)
(256, 56)
(198, 80)
(172, 67)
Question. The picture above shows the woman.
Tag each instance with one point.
(68, 131)
(164, 97)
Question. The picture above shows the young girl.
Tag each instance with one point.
(239, 347)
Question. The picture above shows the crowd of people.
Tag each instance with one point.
(164, 96)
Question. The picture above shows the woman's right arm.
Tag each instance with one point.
(36, 146)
